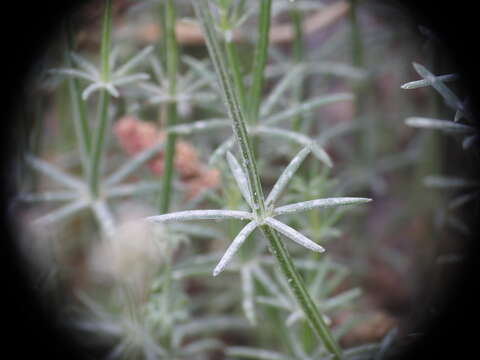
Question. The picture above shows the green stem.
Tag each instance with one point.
(298, 50)
(171, 113)
(260, 60)
(106, 41)
(239, 127)
(302, 296)
(100, 133)
(366, 140)
(82, 129)
(232, 103)
(234, 65)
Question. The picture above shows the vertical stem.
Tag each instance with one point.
(239, 127)
(366, 140)
(82, 129)
(298, 50)
(100, 133)
(260, 60)
(234, 65)
(171, 111)
(232, 103)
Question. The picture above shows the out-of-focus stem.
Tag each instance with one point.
(98, 145)
(82, 129)
(260, 60)
(171, 110)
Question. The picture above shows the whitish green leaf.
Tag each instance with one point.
(201, 215)
(447, 182)
(275, 95)
(293, 235)
(134, 61)
(130, 79)
(207, 325)
(339, 129)
(201, 69)
(90, 89)
(104, 217)
(269, 284)
(248, 294)
(307, 106)
(73, 73)
(299, 138)
(386, 344)
(200, 346)
(443, 125)
(49, 196)
(133, 164)
(286, 176)
(341, 299)
(245, 352)
(240, 178)
(61, 213)
(426, 82)
(463, 199)
(469, 141)
(132, 189)
(234, 246)
(319, 203)
(221, 150)
(450, 98)
(201, 125)
(85, 65)
(55, 174)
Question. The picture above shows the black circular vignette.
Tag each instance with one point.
(451, 334)
(35, 328)
(32, 326)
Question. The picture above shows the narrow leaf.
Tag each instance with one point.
(446, 182)
(450, 98)
(49, 196)
(61, 213)
(248, 295)
(293, 235)
(73, 73)
(245, 352)
(84, 64)
(123, 80)
(275, 95)
(234, 246)
(104, 217)
(240, 178)
(132, 189)
(134, 61)
(286, 176)
(133, 164)
(221, 150)
(201, 215)
(54, 173)
(90, 89)
(319, 203)
(201, 125)
(427, 82)
(269, 284)
(307, 106)
(299, 138)
(443, 125)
